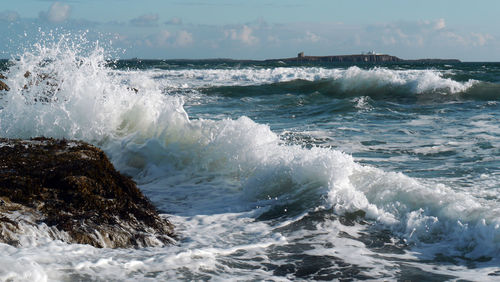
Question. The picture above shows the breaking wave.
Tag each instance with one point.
(149, 135)
(377, 82)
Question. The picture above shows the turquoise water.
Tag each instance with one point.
(447, 129)
(274, 171)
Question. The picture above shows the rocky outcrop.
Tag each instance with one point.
(3, 86)
(358, 58)
(362, 58)
(70, 189)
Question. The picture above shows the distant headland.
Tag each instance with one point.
(370, 57)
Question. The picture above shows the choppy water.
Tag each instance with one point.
(274, 171)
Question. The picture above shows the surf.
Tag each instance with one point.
(238, 171)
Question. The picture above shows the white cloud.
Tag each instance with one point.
(439, 24)
(389, 40)
(309, 37)
(405, 39)
(419, 40)
(453, 37)
(58, 12)
(416, 34)
(163, 37)
(401, 34)
(243, 35)
(146, 20)
(166, 39)
(9, 16)
(312, 37)
(184, 38)
(479, 39)
(174, 21)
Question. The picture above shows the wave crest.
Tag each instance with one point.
(382, 83)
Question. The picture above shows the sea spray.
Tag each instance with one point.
(249, 203)
(63, 90)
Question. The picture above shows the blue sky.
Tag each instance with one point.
(260, 29)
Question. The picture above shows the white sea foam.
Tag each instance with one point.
(350, 79)
(218, 175)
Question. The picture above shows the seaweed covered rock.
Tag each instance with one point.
(3, 86)
(69, 190)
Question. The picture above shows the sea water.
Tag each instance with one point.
(270, 170)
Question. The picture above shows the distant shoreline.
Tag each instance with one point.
(361, 58)
(355, 58)
(335, 59)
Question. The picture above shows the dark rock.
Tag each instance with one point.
(3, 86)
(71, 186)
(358, 58)
(133, 89)
(361, 58)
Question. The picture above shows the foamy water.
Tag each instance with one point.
(271, 172)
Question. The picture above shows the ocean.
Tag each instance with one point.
(273, 171)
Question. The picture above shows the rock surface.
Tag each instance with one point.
(343, 59)
(72, 191)
(3, 86)
(359, 58)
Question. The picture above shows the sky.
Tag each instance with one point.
(261, 29)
